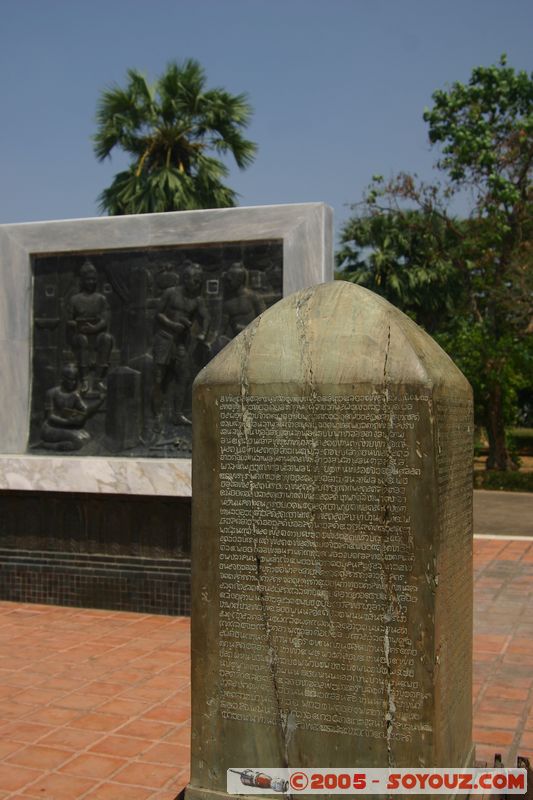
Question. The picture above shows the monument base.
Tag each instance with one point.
(96, 533)
(196, 793)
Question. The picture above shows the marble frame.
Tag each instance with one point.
(306, 231)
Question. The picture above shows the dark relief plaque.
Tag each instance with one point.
(119, 336)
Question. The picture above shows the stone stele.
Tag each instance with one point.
(332, 544)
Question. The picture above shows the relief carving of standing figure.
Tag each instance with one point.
(88, 323)
(242, 305)
(179, 309)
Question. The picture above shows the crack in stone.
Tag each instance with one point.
(386, 359)
(387, 579)
(286, 721)
(302, 327)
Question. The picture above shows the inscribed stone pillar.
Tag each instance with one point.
(332, 544)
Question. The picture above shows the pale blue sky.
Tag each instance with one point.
(338, 86)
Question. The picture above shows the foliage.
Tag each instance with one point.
(523, 440)
(488, 362)
(503, 481)
(174, 131)
(468, 281)
(405, 255)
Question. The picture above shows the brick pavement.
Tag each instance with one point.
(95, 704)
(503, 648)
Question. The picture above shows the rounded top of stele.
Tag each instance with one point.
(329, 335)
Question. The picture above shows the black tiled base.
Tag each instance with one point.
(96, 551)
(126, 584)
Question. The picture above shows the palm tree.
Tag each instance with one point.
(173, 130)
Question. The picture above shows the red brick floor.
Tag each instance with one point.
(95, 704)
(503, 648)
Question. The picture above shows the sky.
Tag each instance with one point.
(338, 87)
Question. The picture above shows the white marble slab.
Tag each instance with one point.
(167, 477)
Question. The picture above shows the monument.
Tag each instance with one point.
(139, 326)
(104, 323)
(332, 545)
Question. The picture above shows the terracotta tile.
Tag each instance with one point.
(14, 710)
(126, 676)
(521, 645)
(59, 682)
(50, 715)
(59, 787)
(484, 657)
(114, 640)
(168, 795)
(8, 746)
(91, 765)
(505, 721)
(489, 643)
(165, 753)
(527, 739)
(145, 729)
(507, 692)
(512, 679)
(486, 753)
(40, 757)
(164, 713)
(7, 690)
(119, 791)
(23, 678)
(495, 706)
(165, 679)
(178, 782)
(142, 773)
(126, 708)
(120, 746)
(492, 736)
(181, 735)
(150, 694)
(104, 688)
(84, 652)
(79, 700)
(38, 697)
(71, 738)
(25, 731)
(13, 777)
(99, 722)
(519, 658)
(48, 667)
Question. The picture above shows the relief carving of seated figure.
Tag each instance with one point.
(66, 414)
(88, 322)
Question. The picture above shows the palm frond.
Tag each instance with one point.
(170, 129)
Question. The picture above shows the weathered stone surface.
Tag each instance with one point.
(332, 544)
(123, 413)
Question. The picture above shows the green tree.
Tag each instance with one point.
(472, 276)
(174, 130)
(404, 254)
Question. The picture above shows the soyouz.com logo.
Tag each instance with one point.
(262, 780)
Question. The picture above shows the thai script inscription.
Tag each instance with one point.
(316, 556)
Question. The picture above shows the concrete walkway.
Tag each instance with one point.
(503, 513)
(96, 704)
